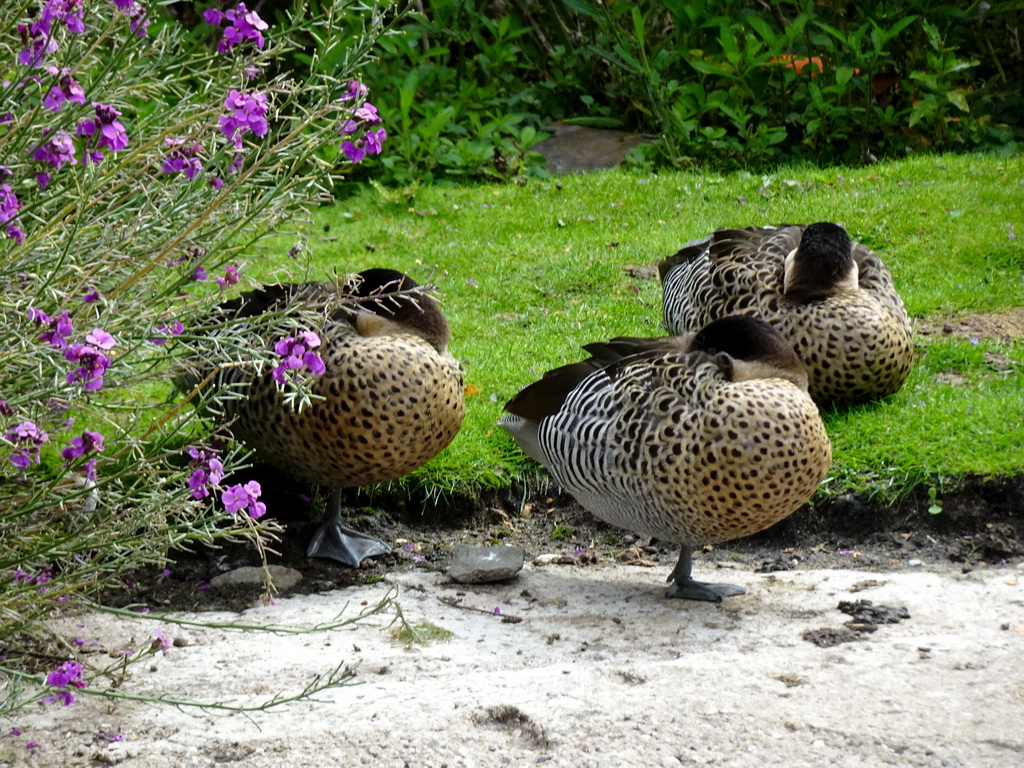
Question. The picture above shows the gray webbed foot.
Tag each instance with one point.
(338, 542)
(686, 588)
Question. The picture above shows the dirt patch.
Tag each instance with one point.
(1004, 325)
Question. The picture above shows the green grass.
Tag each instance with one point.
(534, 272)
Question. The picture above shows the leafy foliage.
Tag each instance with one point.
(721, 84)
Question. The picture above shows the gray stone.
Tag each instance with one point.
(284, 578)
(480, 565)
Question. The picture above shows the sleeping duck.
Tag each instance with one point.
(693, 439)
(833, 301)
(389, 400)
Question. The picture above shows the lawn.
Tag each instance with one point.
(530, 273)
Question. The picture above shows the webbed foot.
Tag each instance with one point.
(698, 590)
(338, 542)
(686, 588)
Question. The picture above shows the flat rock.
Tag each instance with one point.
(481, 565)
(284, 578)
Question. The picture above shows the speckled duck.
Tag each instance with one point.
(692, 439)
(392, 395)
(831, 299)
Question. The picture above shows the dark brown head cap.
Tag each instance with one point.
(752, 348)
(823, 263)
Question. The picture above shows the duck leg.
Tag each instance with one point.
(684, 587)
(337, 542)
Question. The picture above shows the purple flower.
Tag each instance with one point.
(373, 141)
(106, 129)
(26, 438)
(56, 151)
(67, 674)
(247, 112)
(356, 90)
(43, 179)
(15, 233)
(234, 499)
(38, 41)
(67, 89)
(182, 158)
(199, 273)
(9, 207)
(93, 364)
(244, 497)
(360, 137)
(137, 15)
(243, 25)
(216, 182)
(230, 276)
(354, 153)
(89, 441)
(299, 353)
(101, 339)
(60, 328)
(161, 644)
(209, 471)
(175, 329)
(91, 296)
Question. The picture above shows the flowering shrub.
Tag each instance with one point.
(136, 159)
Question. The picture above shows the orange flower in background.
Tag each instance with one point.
(797, 63)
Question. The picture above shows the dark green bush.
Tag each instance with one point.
(470, 86)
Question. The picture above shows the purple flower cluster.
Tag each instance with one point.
(67, 89)
(68, 674)
(26, 438)
(138, 17)
(89, 441)
(174, 329)
(9, 207)
(239, 498)
(56, 151)
(38, 37)
(105, 131)
(60, 327)
(92, 364)
(80, 446)
(299, 353)
(230, 276)
(209, 471)
(242, 25)
(41, 579)
(183, 158)
(246, 112)
(363, 136)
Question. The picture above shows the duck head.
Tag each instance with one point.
(822, 265)
(749, 348)
(390, 304)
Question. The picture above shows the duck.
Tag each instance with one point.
(693, 439)
(831, 298)
(389, 399)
